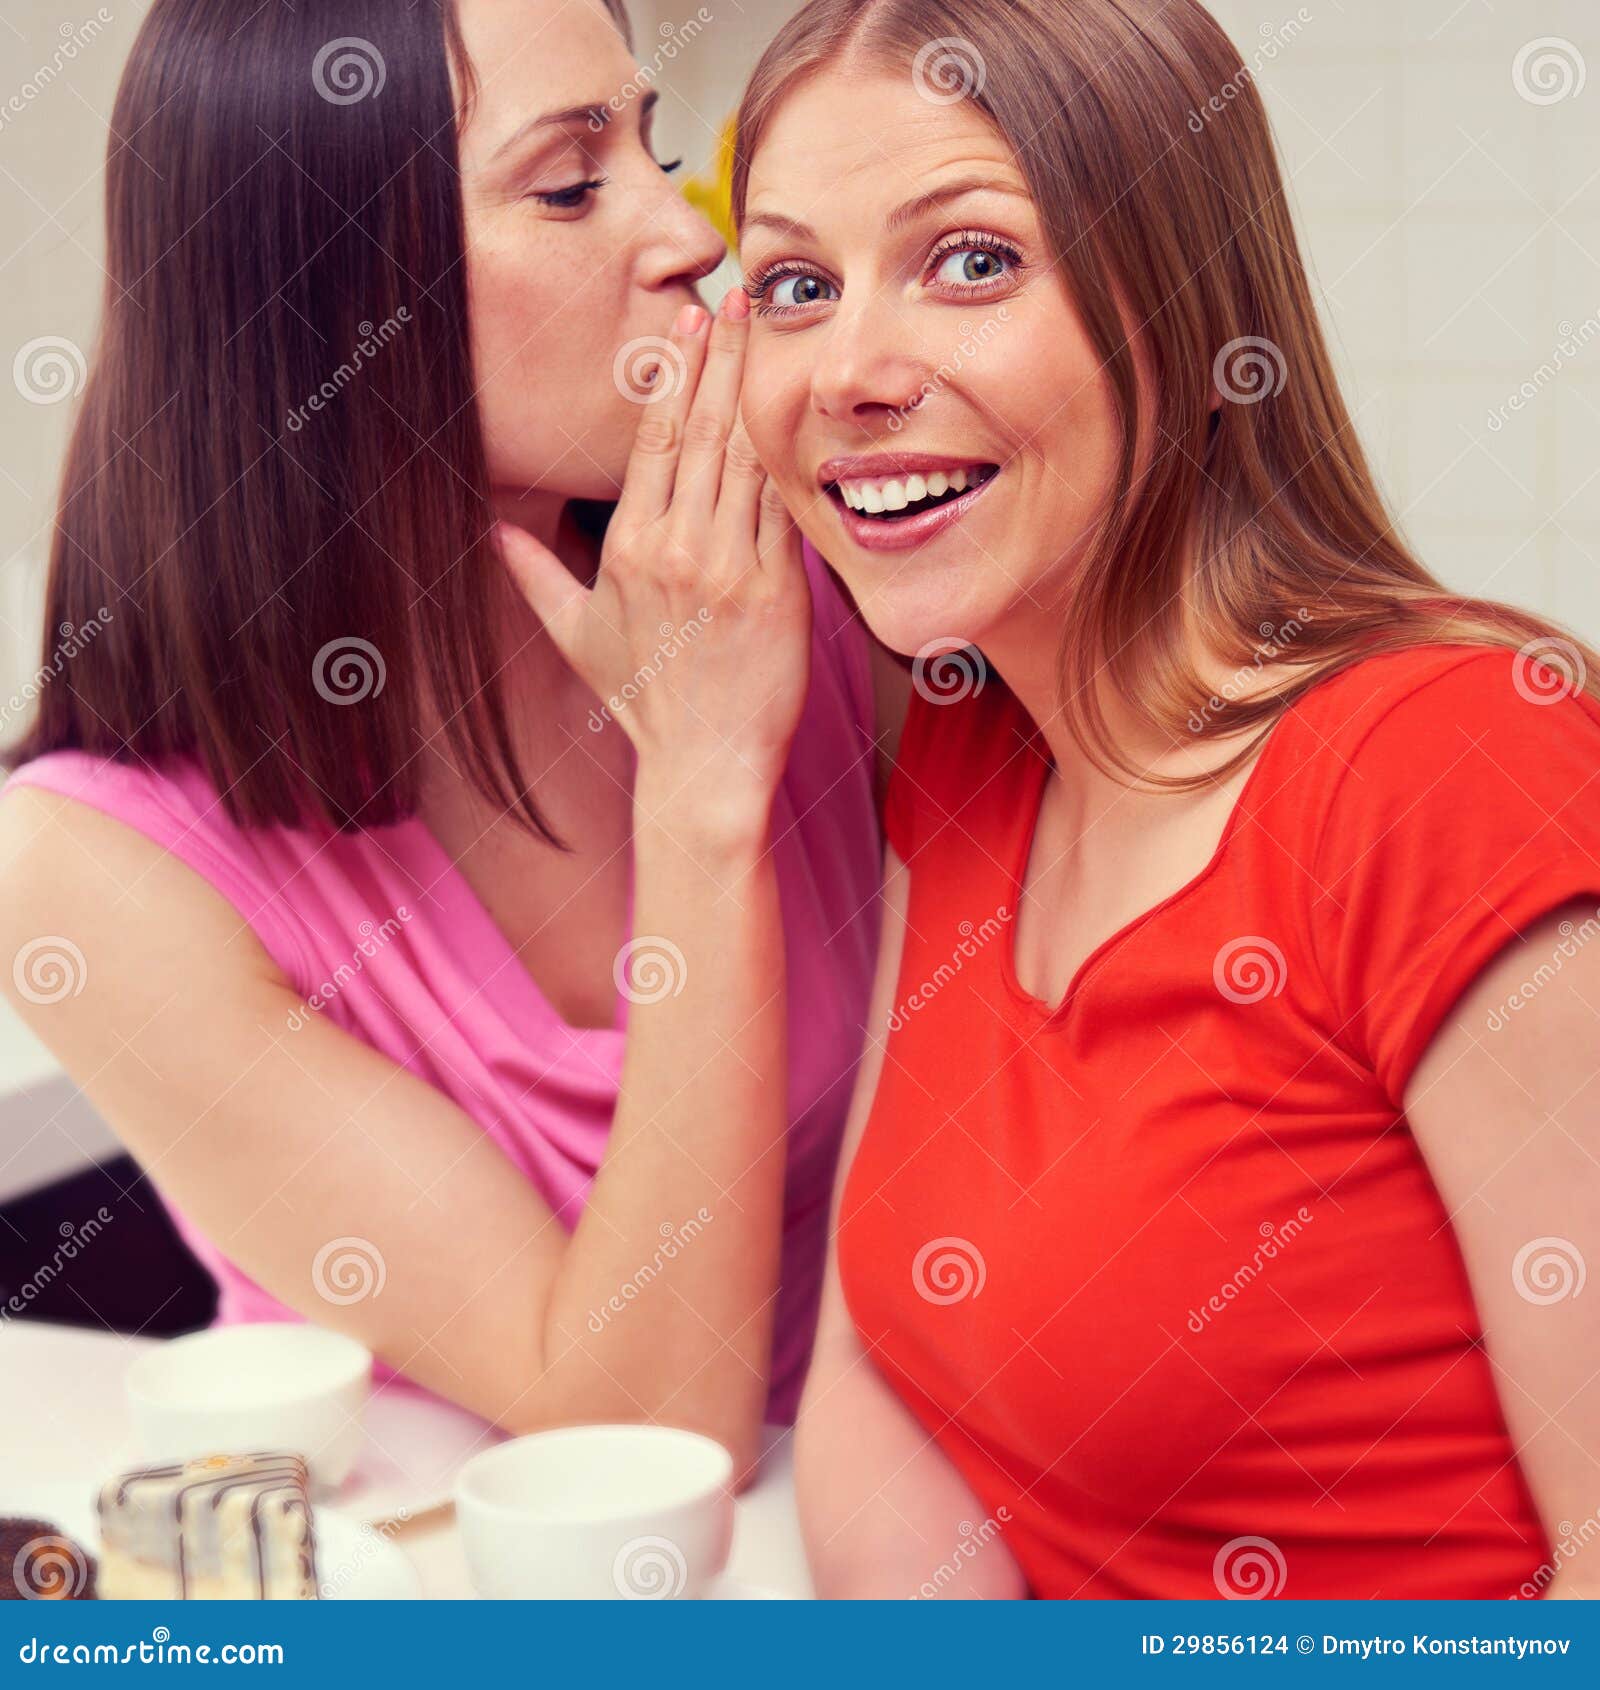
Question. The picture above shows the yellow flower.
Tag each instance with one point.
(711, 194)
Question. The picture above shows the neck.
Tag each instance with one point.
(1025, 651)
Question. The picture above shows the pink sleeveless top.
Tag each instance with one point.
(379, 932)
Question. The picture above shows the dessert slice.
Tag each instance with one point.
(224, 1526)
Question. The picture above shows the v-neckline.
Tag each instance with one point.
(467, 922)
(1040, 767)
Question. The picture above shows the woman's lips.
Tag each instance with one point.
(898, 534)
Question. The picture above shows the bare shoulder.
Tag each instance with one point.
(90, 896)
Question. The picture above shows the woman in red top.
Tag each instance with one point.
(1225, 1164)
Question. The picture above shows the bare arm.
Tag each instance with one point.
(278, 1142)
(880, 1504)
(1509, 1122)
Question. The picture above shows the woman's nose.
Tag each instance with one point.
(866, 368)
(686, 248)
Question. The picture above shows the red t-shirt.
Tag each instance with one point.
(1162, 1269)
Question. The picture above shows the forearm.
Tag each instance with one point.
(662, 1304)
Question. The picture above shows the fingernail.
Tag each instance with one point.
(690, 318)
(736, 304)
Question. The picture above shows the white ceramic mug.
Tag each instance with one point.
(231, 1390)
(597, 1512)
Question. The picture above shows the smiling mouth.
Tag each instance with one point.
(888, 500)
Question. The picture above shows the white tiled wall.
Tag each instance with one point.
(1453, 226)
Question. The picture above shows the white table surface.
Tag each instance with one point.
(63, 1415)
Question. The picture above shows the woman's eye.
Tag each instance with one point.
(970, 266)
(791, 292)
(568, 199)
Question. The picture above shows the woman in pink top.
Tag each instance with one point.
(466, 890)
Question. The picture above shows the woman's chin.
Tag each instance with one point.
(911, 610)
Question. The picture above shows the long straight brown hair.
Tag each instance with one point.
(1150, 160)
(275, 501)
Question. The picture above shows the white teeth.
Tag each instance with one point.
(897, 492)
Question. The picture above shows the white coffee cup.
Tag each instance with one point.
(597, 1512)
(232, 1390)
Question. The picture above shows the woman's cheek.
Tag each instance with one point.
(773, 409)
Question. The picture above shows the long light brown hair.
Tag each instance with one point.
(1148, 153)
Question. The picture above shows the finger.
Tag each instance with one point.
(711, 417)
(652, 468)
(777, 533)
(551, 589)
(739, 498)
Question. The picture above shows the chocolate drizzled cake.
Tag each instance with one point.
(219, 1527)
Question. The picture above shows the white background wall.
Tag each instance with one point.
(1451, 215)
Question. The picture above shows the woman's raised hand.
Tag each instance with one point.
(696, 634)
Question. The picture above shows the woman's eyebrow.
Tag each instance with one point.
(595, 116)
(902, 214)
(910, 209)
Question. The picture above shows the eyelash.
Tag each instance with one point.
(967, 240)
(569, 199)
